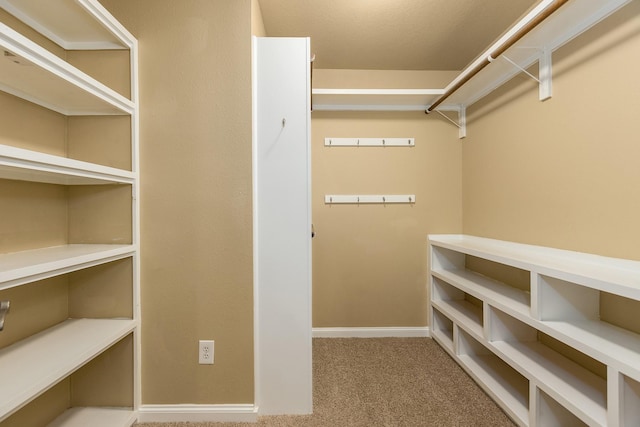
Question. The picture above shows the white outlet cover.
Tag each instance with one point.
(205, 352)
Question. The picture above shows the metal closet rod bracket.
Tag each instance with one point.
(4, 309)
(544, 78)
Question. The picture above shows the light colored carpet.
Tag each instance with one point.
(385, 382)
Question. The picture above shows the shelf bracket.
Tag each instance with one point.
(544, 73)
(461, 124)
(4, 309)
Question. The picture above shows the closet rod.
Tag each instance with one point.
(499, 50)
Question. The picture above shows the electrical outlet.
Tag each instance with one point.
(205, 355)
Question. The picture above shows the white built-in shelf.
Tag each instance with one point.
(27, 165)
(72, 24)
(18, 268)
(510, 299)
(498, 379)
(69, 345)
(373, 99)
(95, 417)
(581, 391)
(563, 302)
(463, 313)
(570, 20)
(38, 76)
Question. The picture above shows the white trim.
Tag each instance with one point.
(198, 413)
(373, 332)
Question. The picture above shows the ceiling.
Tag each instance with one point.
(393, 34)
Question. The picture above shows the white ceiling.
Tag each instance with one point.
(393, 34)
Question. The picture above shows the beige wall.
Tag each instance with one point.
(195, 101)
(370, 261)
(564, 173)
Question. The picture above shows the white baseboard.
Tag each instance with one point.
(374, 332)
(198, 413)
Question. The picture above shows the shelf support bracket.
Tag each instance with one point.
(461, 124)
(544, 72)
(4, 309)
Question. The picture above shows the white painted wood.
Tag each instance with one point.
(26, 373)
(442, 329)
(27, 165)
(506, 386)
(372, 332)
(52, 82)
(509, 299)
(577, 389)
(282, 225)
(569, 21)
(374, 99)
(68, 23)
(369, 198)
(28, 266)
(237, 413)
(38, 76)
(369, 142)
(565, 299)
(465, 314)
(95, 417)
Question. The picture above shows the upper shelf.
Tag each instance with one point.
(373, 99)
(570, 20)
(32, 73)
(27, 165)
(72, 24)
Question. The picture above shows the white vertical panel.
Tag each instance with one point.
(282, 225)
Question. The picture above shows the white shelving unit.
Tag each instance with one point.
(34, 74)
(569, 21)
(503, 336)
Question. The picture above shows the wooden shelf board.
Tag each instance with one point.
(18, 268)
(95, 417)
(603, 341)
(498, 380)
(498, 294)
(69, 345)
(578, 389)
(463, 313)
(46, 80)
(604, 273)
(27, 165)
(443, 339)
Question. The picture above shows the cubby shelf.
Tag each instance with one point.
(26, 373)
(28, 266)
(563, 304)
(26, 165)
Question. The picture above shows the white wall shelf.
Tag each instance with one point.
(69, 345)
(18, 268)
(27, 165)
(563, 302)
(569, 21)
(46, 80)
(373, 99)
(32, 73)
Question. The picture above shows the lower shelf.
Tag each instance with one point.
(69, 345)
(95, 417)
(499, 380)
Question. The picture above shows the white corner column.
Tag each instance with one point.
(282, 225)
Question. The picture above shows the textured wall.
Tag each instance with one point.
(195, 100)
(370, 261)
